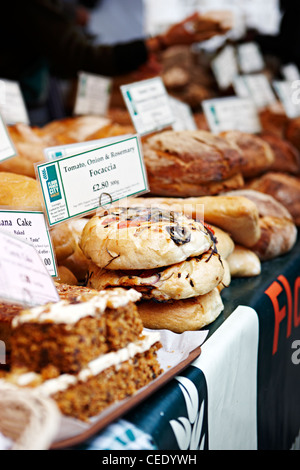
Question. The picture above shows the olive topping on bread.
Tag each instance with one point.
(143, 238)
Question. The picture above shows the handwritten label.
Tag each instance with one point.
(255, 86)
(288, 93)
(93, 94)
(30, 227)
(225, 67)
(231, 113)
(24, 279)
(290, 72)
(184, 119)
(250, 58)
(73, 186)
(148, 104)
(12, 105)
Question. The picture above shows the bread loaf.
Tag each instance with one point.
(236, 215)
(282, 187)
(182, 315)
(278, 231)
(186, 160)
(286, 156)
(20, 192)
(258, 154)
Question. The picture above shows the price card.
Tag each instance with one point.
(7, 149)
(225, 67)
(149, 105)
(54, 153)
(12, 105)
(24, 278)
(255, 86)
(93, 94)
(289, 95)
(30, 227)
(290, 72)
(76, 185)
(231, 113)
(184, 119)
(250, 58)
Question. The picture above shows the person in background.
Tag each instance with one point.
(39, 40)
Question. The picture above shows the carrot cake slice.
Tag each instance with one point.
(69, 334)
(107, 379)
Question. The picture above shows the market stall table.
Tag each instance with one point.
(243, 391)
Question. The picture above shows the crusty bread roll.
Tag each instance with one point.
(20, 192)
(65, 276)
(266, 204)
(192, 277)
(234, 214)
(164, 187)
(142, 238)
(278, 236)
(258, 154)
(286, 156)
(187, 160)
(182, 315)
(65, 240)
(62, 241)
(278, 231)
(243, 262)
(282, 187)
(224, 243)
(273, 119)
(226, 278)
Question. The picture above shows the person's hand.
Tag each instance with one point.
(197, 27)
(82, 16)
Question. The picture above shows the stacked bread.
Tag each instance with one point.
(169, 258)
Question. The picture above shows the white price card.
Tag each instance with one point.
(184, 119)
(30, 227)
(69, 150)
(289, 95)
(93, 94)
(24, 278)
(76, 185)
(7, 148)
(12, 104)
(250, 58)
(149, 105)
(232, 113)
(255, 86)
(225, 67)
(290, 72)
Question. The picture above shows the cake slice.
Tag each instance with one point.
(67, 335)
(108, 379)
(9, 311)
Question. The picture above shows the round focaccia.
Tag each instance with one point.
(143, 238)
(181, 315)
(190, 278)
